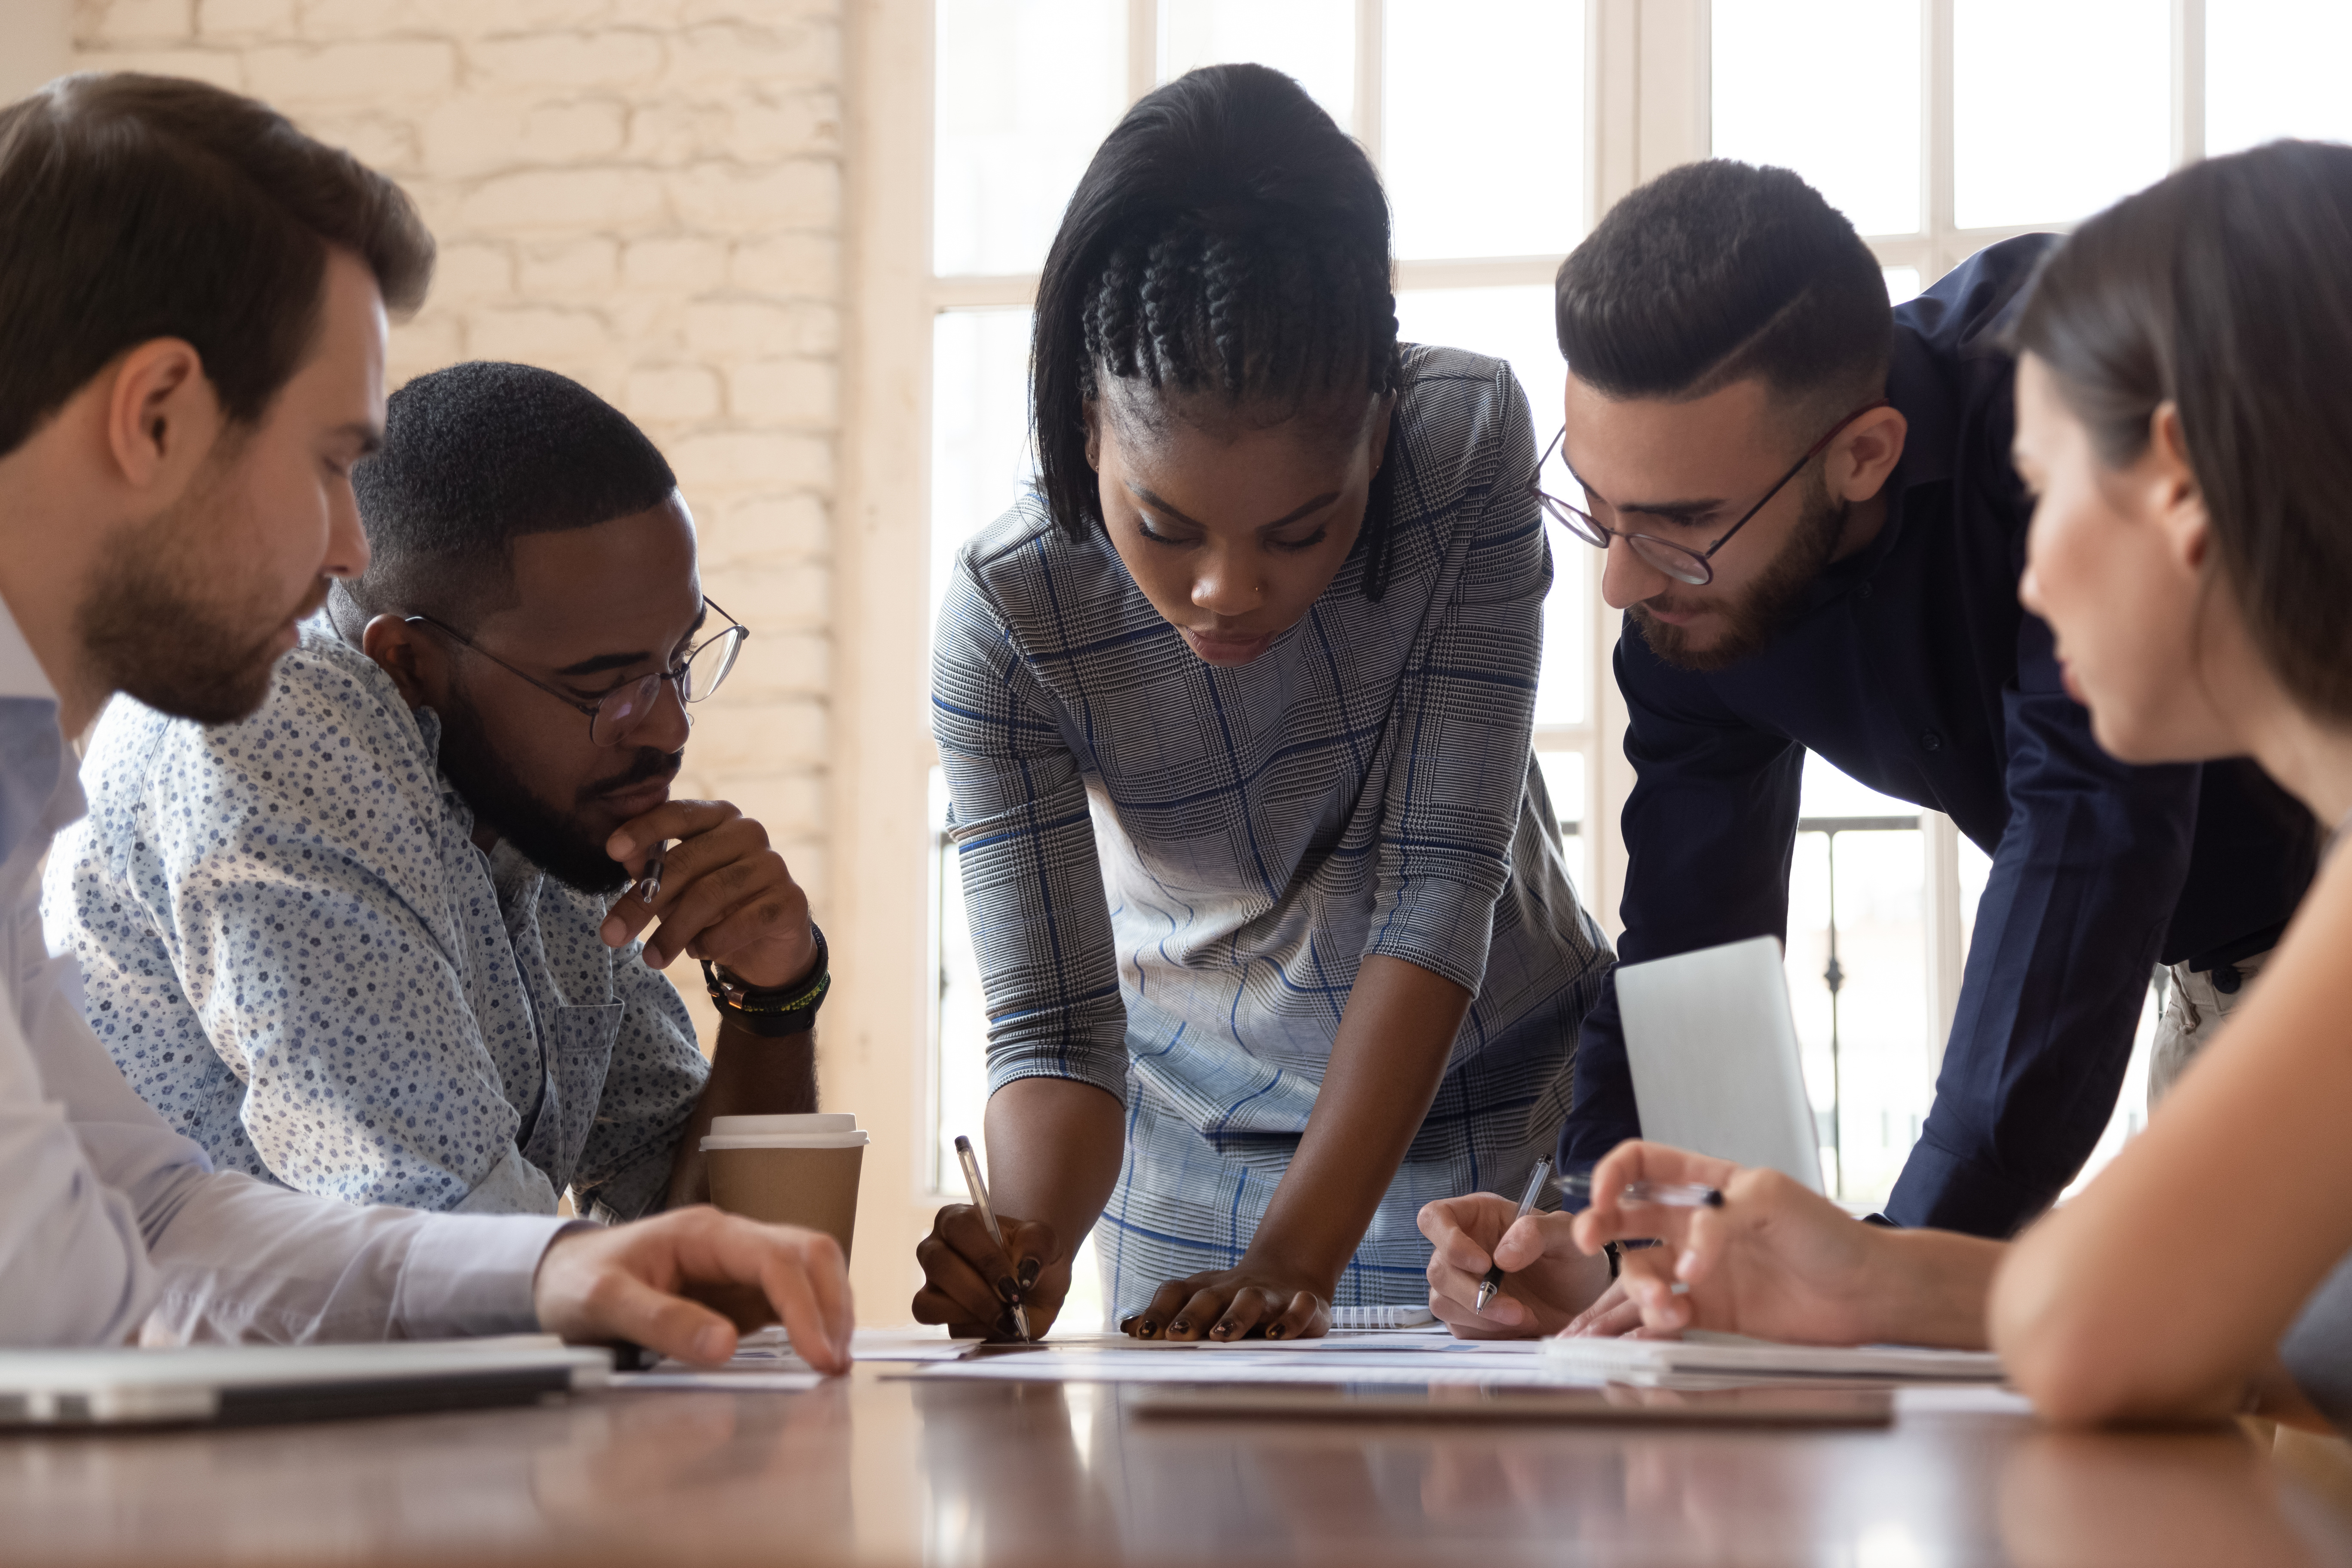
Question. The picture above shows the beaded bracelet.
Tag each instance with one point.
(774, 1012)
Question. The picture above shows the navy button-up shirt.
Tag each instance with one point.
(1914, 668)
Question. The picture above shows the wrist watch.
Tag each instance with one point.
(772, 1012)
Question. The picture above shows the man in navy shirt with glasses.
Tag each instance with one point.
(1815, 533)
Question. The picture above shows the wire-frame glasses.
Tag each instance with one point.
(613, 716)
(1680, 562)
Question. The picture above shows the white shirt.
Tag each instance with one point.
(292, 949)
(110, 1221)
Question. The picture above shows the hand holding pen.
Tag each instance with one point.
(1766, 1256)
(972, 1177)
(989, 1274)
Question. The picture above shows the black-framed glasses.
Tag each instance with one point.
(613, 716)
(1680, 562)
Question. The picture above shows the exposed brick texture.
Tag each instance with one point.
(645, 195)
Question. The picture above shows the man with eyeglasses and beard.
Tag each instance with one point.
(1815, 531)
(366, 942)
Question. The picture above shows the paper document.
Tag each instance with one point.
(1419, 1340)
(1702, 1355)
(674, 1376)
(1486, 1368)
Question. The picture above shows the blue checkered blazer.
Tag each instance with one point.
(1173, 870)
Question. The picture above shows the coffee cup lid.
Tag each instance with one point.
(775, 1126)
(853, 1139)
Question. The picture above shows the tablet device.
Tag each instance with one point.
(251, 1383)
(1713, 1048)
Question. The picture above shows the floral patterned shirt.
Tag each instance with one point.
(294, 951)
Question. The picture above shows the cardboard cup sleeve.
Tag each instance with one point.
(788, 1170)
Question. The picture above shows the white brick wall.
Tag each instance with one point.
(645, 195)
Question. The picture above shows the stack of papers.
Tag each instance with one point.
(1702, 1355)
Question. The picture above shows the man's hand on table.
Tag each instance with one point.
(597, 1285)
(1548, 1283)
(725, 894)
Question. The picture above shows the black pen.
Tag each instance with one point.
(1535, 1180)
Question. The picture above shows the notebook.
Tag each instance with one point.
(1382, 1317)
(252, 1384)
(1702, 1354)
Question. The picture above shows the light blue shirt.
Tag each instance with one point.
(294, 951)
(112, 1224)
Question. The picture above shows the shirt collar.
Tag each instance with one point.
(20, 673)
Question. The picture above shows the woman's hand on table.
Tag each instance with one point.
(970, 1285)
(1268, 1299)
(1777, 1260)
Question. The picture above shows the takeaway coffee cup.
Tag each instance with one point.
(788, 1170)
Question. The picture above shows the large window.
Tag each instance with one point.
(1500, 128)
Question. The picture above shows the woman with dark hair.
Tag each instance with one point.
(2184, 424)
(1235, 710)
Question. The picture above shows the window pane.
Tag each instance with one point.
(2058, 106)
(1314, 40)
(1515, 324)
(2275, 67)
(1902, 283)
(1509, 179)
(981, 456)
(1879, 1079)
(1027, 90)
(1858, 143)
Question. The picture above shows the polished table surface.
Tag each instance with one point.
(877, 1469)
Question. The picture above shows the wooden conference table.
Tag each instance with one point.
(873, 1470)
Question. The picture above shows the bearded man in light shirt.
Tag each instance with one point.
(192, 315)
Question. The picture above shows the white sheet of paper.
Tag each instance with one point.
(733, 1380)
(1150, 1366)
(1370, 1341)
(1701, 1354)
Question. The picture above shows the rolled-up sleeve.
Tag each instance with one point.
(1465, 713)
(1025, 850)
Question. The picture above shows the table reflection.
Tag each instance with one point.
(883, 1469)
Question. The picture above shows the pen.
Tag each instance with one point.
(1536, 1179)
(988, 1217)
(649, 879)
(1665, 1195)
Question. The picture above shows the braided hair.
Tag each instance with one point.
(1228, 242)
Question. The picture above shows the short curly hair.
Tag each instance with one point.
(477, 455)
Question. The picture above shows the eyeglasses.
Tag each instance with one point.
(1680, 562)
(613, 716)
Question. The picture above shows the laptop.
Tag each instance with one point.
(1713, 1046)
(239, 1384)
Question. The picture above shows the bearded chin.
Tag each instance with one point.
(146, 631)
(1771, 604)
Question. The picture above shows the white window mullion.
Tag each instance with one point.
(1371, 70)
(1142, 47)
(2188, 81)
(1937, 144)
